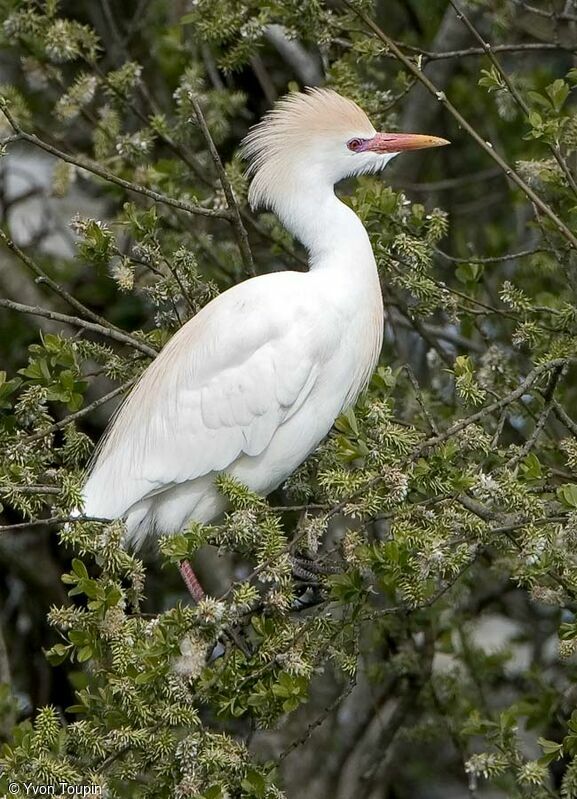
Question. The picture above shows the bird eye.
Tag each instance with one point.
(355, 144)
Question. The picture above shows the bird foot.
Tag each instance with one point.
(191, 581)
(311, 570)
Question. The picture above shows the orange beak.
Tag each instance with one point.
(401, 142)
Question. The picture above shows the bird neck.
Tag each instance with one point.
(331, 231)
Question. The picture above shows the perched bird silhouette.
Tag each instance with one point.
(255, 380)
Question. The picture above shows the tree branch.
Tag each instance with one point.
(233, 207)
(73, 417)
(96, 169)
(109, 332)
(7, 528)
(42, 277)
(549, 396)
(446, 103)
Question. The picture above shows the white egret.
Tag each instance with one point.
(255, 380)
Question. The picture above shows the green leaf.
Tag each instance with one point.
(567, 494)
(255, 784)
(384, 379)
(84, 654)
(538, 99)
(76, 709)
(215, 792)
(557, 92)
(469, 272)
(58, 654)
(78, 637)
(491, 80)
(145, 677)
(348, 588)
(551, 751)
(531, 468)
(347, 423)
(79, 568)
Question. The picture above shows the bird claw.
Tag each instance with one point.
(310, 597)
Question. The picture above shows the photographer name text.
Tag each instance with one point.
(56, 789)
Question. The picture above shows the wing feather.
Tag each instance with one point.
(221, 387)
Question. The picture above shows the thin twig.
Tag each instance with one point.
(42, 277)
(233, 207)
(109, 332)
(144, 91)
(510, 523)
(513, 396)
(499, 428)
(528, 47)
(6, 528)
(467, 52)
(420, 327)
(564, 16)
(7, 488)
(549, 397)
(73, 417)
(450, 183)
(338, 700)
(264, 233)
(436, 331)
(495, 259)
(564, 417)
(418, 396)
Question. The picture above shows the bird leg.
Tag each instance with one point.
(197, 593)
(191, 581)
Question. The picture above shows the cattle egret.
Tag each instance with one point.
(255, 380)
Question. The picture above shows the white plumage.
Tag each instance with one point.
(255, 380)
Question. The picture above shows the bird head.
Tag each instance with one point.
(314, 139)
